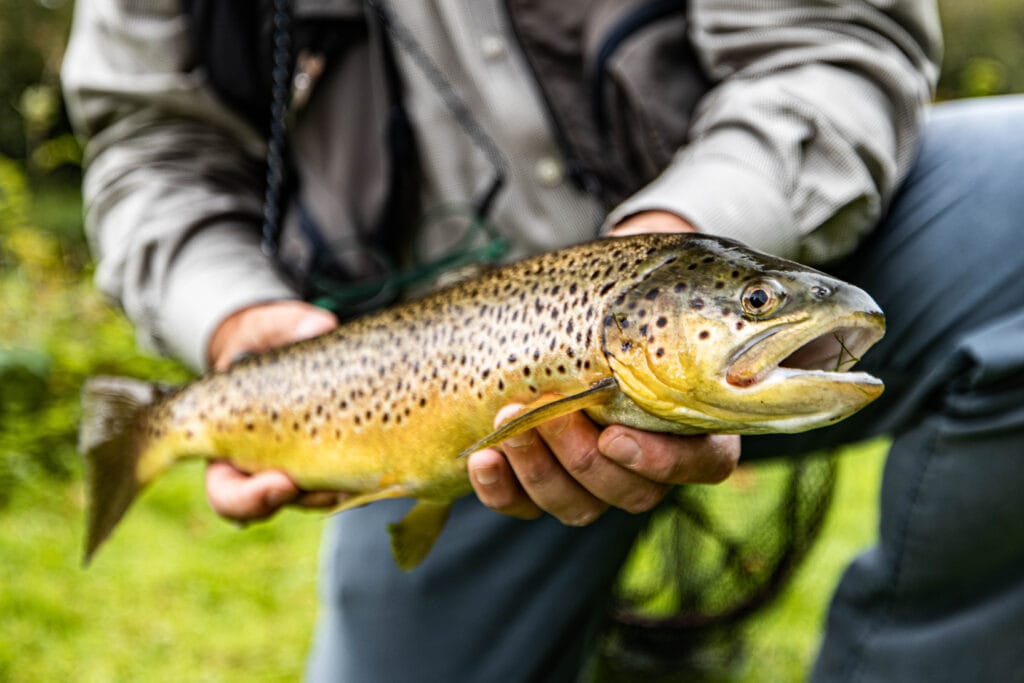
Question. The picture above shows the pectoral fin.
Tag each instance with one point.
(542, 410)
(414, 536)
(359, 500)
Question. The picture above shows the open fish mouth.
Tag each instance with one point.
(827, 351)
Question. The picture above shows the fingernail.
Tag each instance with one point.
(624, 450)
(486, 476)
(310, 326)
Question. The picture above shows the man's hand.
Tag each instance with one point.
(232, 493)
(574, 469)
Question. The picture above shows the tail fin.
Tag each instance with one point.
(113, 438)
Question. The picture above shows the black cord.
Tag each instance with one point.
(277, 139)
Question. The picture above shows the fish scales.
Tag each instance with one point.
(381, 406)
(419, 381)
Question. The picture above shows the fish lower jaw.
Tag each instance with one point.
(783, 374)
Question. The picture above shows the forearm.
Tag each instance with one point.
(811, 125)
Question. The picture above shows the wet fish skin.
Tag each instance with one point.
(650, 331)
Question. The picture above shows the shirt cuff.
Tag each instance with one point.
(720, 196)
(217, 272)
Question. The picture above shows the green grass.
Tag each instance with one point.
(177, 595)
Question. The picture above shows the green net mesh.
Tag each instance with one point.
(711, 557)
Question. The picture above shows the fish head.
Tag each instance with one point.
(725, 339)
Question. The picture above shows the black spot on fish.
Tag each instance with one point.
(704, 334)
(692, 266)
(606, 288)
(627, 345)
(660, 352)
(653, 294)
(719, 285)
(679, 286)
(696, 304)
(739, 324)
(708, 259)
(661, 322)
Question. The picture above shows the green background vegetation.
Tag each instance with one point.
(180, 595)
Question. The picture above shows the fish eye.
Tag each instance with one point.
(760, 298)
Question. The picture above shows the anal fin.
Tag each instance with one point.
(414, 536)
(542, 410)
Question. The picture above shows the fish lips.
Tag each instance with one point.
(826, 351)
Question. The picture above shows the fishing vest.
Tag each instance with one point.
(619, 78)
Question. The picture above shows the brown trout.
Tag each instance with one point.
(676, 333)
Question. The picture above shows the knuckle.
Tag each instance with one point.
(644, 499)
(535, 474)
(723, 465)
(663, 466)
(501, 502)
(581, 515)
(583, 461)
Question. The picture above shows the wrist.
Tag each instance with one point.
(264, 326)
(654, 220)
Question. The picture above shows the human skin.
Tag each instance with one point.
(568, 467)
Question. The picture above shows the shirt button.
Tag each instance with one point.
(549, 172)
(492, 46)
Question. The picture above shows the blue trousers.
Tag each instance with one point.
(941, 595)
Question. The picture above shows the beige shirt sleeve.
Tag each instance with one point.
(811, 125)
(172, 178)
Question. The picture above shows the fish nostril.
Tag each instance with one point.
(820, 292)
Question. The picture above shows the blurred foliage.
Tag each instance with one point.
(33, 125)
(55, 330)
(984, 48)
